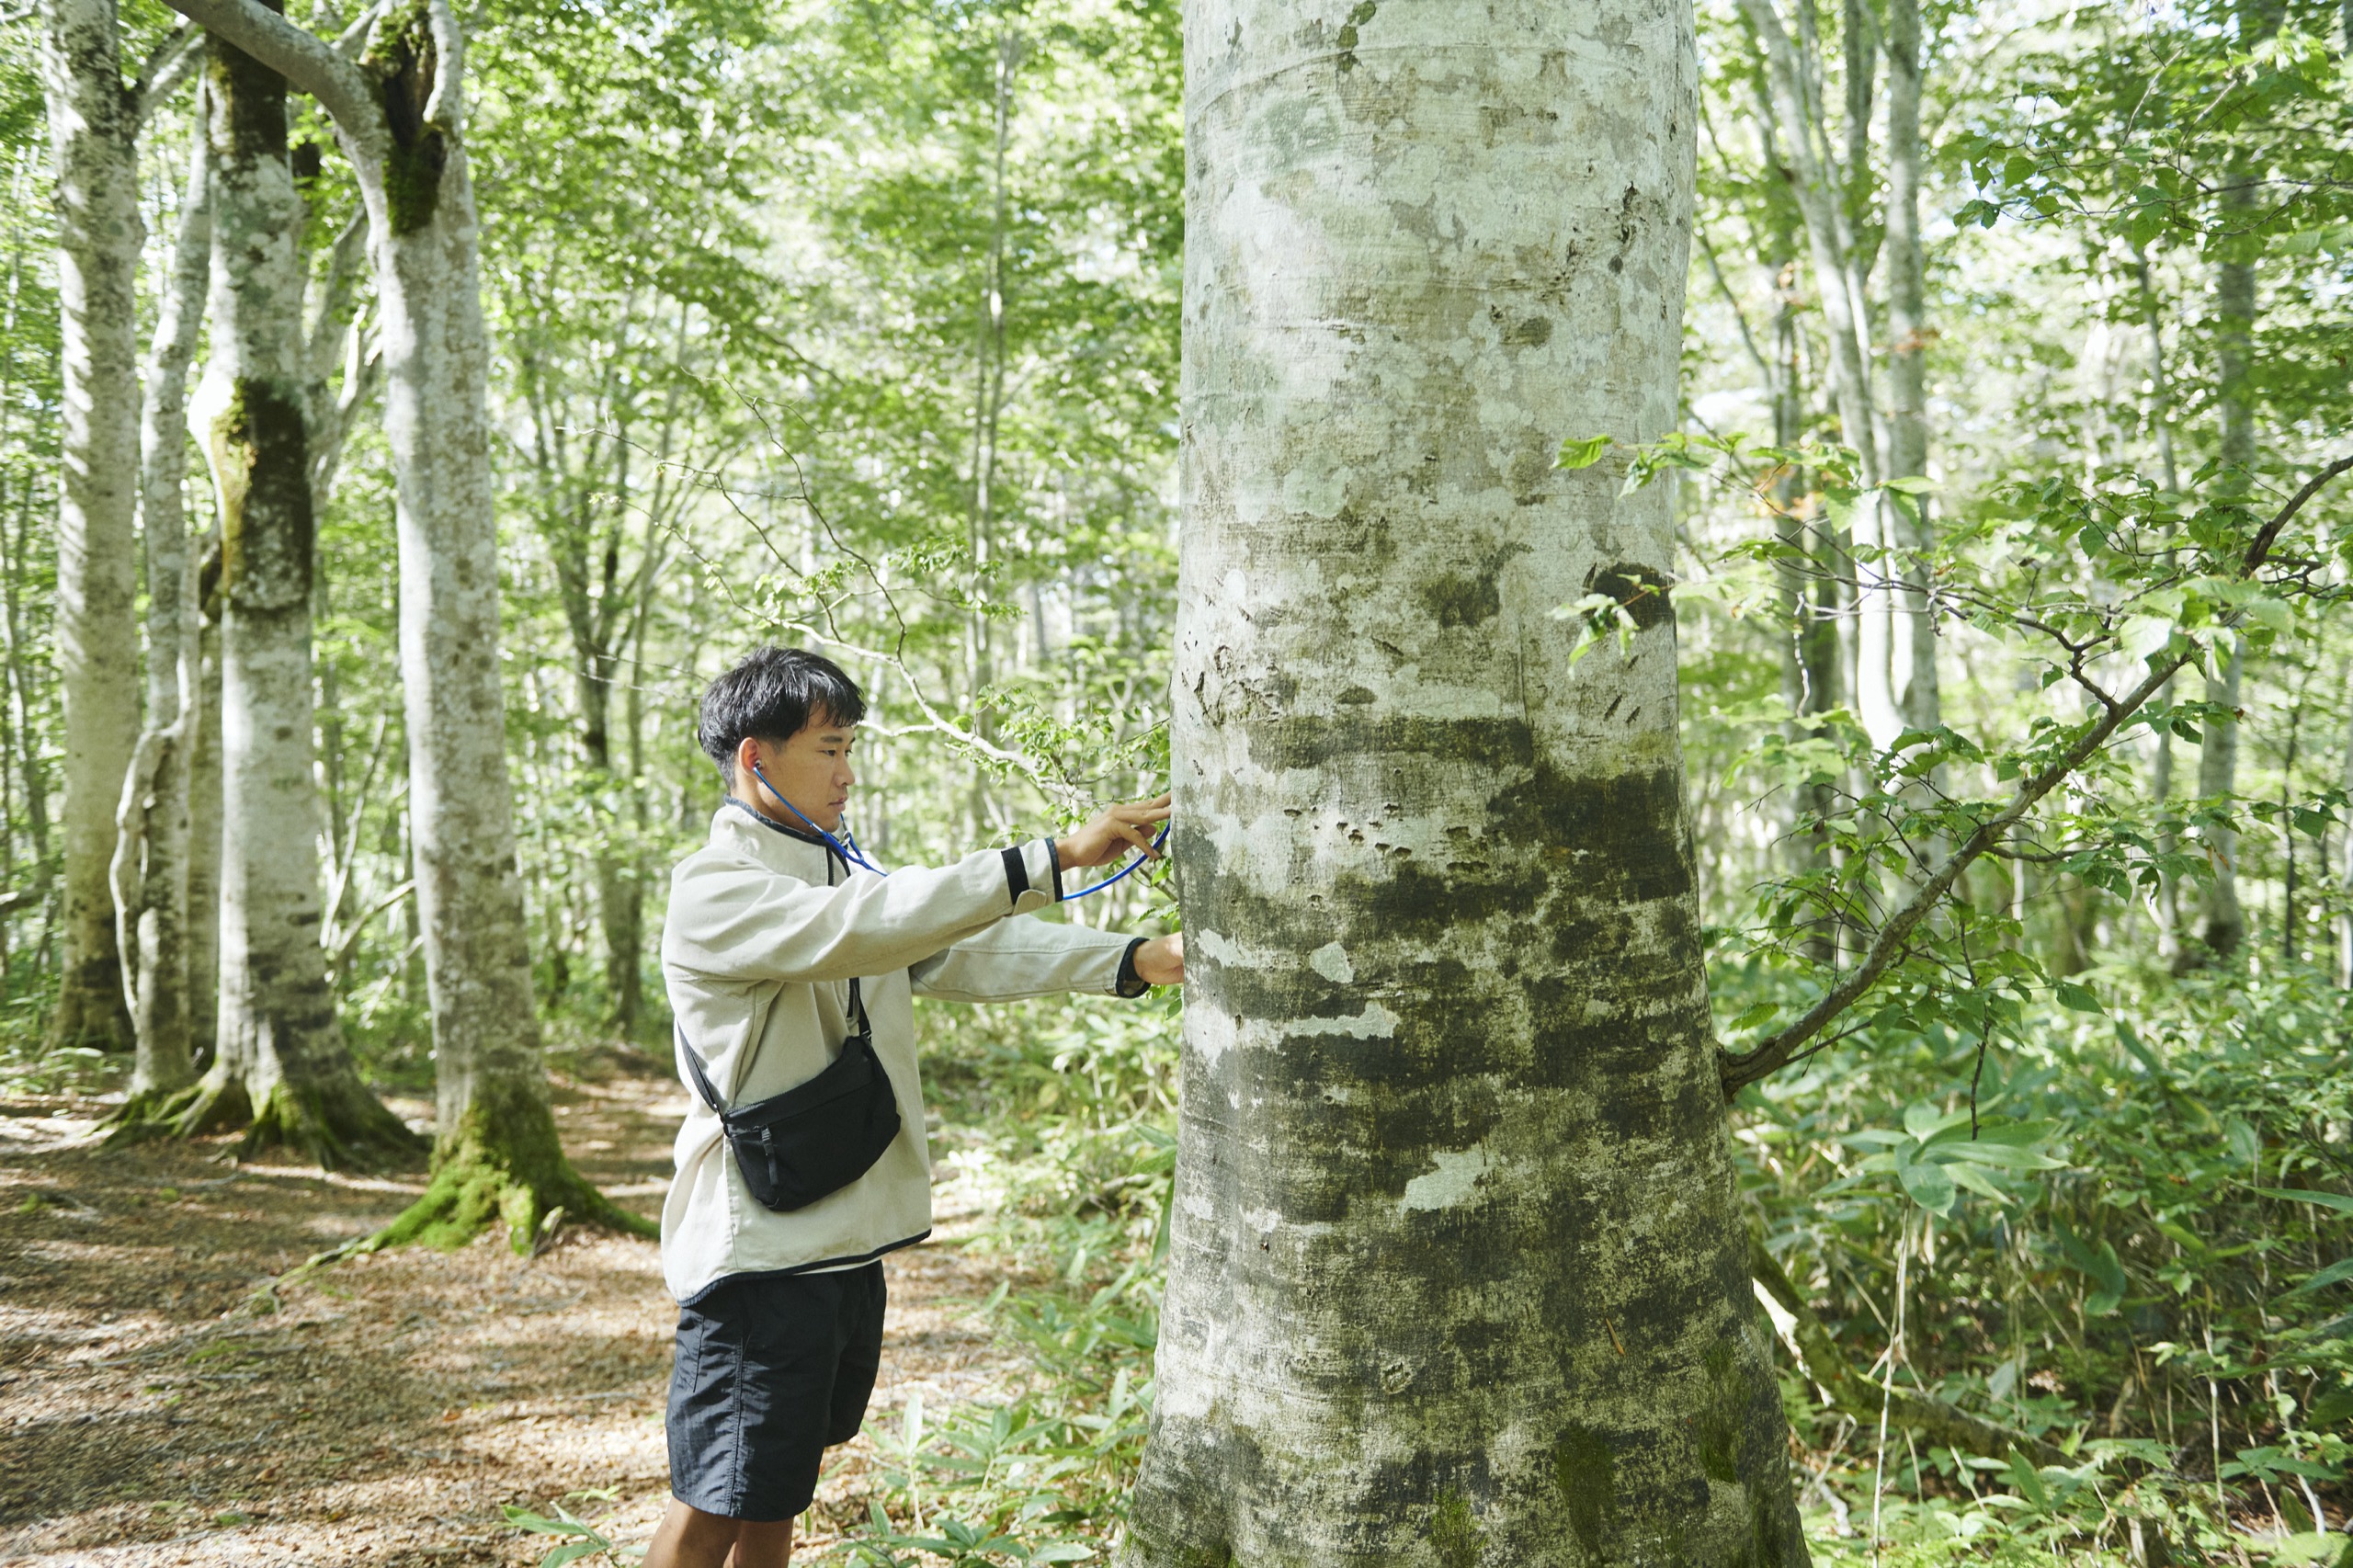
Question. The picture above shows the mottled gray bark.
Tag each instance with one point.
(1796, 131)
(204, 840)
(280, 1047)
(2221, 923)
(400, 111)
(1914, 656)
(1456, 1273)
(94, 128)
(151, 868)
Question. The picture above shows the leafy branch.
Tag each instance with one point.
(1889, 944)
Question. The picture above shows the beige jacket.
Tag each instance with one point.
(766, 928)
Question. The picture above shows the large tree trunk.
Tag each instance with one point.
(152, 854)
(399, 112)
(280, 1048)
(94, 121)
(497, 1154)
(1457, 1273)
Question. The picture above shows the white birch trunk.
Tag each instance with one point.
(1457, 1273)
(400, 112)
(152, 854)
(93, 119)
(278, 1036)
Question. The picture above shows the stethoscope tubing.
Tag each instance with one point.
(852, 856)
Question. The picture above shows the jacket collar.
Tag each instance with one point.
(772, 825)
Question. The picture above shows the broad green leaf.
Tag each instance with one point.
(1576, 454)
(1931, 1186)
(2077, 997)
(1975, 1178)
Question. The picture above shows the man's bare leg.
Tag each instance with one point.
(763, 1545)
(688, 1538)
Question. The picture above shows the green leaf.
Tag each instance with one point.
(2028, 1482)
(2334, 1274)
(1582, 454)
(1931, 1186)
(2336, 1200)
(571, 1551)
(1975, 1178)
(2078, 999)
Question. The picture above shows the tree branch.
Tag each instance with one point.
(1775, 1050)
(307, 62)
(167, 66)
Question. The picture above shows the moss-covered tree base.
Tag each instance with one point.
(502, 1163)
(338, 1124)
(212, 1104)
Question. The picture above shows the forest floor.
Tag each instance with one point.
(161, 1402)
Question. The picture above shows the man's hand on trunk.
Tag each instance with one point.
(1160, 961)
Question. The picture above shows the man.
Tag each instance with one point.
(780, 1314)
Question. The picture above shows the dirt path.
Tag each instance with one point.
(155, 1409)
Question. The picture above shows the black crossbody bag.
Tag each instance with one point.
(816, 1138)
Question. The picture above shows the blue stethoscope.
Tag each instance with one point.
(851, 855)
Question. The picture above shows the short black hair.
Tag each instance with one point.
(771, 695)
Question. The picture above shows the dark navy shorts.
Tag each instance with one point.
(768, 1373)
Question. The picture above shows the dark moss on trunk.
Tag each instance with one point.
(402, 60)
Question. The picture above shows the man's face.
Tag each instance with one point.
(811, 770)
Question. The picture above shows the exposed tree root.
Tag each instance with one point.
(1931, 1418)
(338, 1124)
(501, 1162)
(212, 1103)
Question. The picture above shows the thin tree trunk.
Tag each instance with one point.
(150, 884)
(2344, 871)
(1455, 1271)
(280, 1048)
(2221, 923)
(94, 127)
(204, 808)
(1793, 122)
(1908, 424)
(400, 113)
(2165, 901)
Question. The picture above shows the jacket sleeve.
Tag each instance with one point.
(733, 919)
(1029, 957)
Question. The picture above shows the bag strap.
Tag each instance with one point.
(709, 1092)
(702, 1079)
